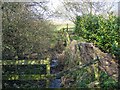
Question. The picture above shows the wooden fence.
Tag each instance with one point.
(27, 76)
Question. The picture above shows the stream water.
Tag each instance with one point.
(55, 83)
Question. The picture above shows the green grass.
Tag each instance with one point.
(58, 27)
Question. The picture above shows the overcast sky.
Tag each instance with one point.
(55, 3)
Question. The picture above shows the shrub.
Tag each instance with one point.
(103, 32)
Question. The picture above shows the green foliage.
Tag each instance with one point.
(107, 82)
(23, 32)
(104, 32)
(83, 79)
(78, 38)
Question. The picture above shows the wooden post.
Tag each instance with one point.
(48, 73)
(67, 27)
(63, 29)
(48, 66)
(67, 36)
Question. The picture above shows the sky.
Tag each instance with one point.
(55, 3)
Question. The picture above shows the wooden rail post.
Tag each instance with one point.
(67, 36)
(48, 72)
(67, 27)
(48, 66)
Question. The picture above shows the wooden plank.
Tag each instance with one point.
(25, 62)
(26, 77)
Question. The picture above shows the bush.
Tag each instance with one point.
(103, 32)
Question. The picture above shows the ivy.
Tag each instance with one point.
(103, 32)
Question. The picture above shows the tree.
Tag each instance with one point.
(71, 9)
(23, 31)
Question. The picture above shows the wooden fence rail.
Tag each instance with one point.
(29, 62)
(28, 76)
